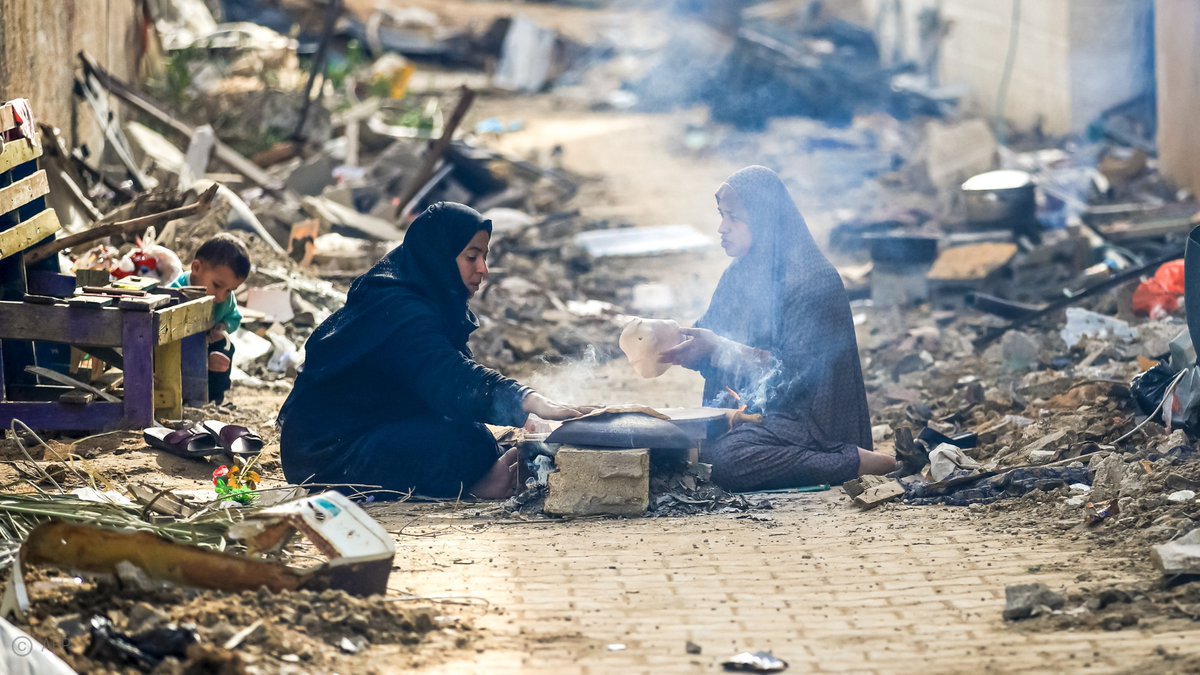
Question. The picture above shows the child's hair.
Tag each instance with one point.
(226, 249)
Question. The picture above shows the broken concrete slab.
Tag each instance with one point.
(599, 482)
(871, 491)
(861, 484)
(1106, 476)
(1181, 556)
(337, 216)
(1045, 442)
(1023, 601)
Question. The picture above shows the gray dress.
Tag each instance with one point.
(786, 298)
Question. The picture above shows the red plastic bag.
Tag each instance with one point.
(1159, 295)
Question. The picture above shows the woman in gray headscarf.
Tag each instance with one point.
(778, 337)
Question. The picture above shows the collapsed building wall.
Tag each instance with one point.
(38, 43)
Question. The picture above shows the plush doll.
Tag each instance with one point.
(149, 259)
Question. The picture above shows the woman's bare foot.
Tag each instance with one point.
(500, 482)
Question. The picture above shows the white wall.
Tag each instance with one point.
(1074, 58)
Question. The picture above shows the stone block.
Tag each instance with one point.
(599, 482)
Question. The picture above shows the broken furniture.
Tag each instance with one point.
(358, 552)
(161, 336)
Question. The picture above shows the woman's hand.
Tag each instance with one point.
(546, 409)
(696, 350)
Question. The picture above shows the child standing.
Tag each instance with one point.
(221, 265)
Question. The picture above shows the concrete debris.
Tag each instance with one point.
(599, 482)
(1181, 556)
(878, 494)
(1028, 600)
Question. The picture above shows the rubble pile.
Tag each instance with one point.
(177, 630)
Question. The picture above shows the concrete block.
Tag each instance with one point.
(599, 482)
(880, 494)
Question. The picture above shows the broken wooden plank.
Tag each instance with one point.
(21, 236)
(17, 153)
(90, 301)
(176, 323)
(465, 98)
(60, 323)
(70, 382)
(145, 304)
(42, 299)
(1126, 231)
(77, 398)
(144, 104)
(90, 89)
(137, 283)
(201, 205)
(109, 290)
(23, 191)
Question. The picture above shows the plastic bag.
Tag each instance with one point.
(1181, 410)
(1159, 295)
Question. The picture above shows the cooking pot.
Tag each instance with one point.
(1003, 198)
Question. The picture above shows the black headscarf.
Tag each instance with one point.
(785, 297)
(422, 269)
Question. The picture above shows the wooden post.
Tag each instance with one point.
(138, 337)
(168, 381)
(465, 98)
(195, 369)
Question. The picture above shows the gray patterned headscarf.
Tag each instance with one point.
(785, 297)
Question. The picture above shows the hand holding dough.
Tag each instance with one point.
(644, 339)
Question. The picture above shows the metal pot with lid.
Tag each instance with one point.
(1002, 199)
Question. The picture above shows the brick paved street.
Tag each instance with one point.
(828, 588)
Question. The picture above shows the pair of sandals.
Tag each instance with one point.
(205, 439)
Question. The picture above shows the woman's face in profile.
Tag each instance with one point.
(472, 262)
(735, 228)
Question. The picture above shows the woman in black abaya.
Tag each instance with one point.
(390, 395)
(779, 334)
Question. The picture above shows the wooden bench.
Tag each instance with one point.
(162, 348)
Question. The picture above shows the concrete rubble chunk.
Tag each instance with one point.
(1177, 439)
(1023, 601)
(1181, 556)
(1045, 441)
(879, 492)
(599, 482)
(859, 485)
(1107, 476)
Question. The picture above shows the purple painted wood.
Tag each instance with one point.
(42, 282)
(139, 336)
(97, 416)
(195, 369)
